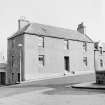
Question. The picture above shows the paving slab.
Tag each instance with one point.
(88, 85)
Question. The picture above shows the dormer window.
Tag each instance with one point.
(66, 44)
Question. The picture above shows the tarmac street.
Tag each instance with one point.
(50, 95)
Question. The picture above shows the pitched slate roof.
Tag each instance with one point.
(51, 31)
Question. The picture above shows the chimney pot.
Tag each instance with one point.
(22, 23)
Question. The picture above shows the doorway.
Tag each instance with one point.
(18, 77)
(66, 63)
(2, 78)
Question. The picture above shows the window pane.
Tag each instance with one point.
(41, 60)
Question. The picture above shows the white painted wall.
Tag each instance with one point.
(77, 53)
(31, 56)
(90, 55)
(54, 53)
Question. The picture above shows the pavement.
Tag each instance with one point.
(62, 79)
(88, 85)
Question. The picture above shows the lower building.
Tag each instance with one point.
(100, 64)
(100, 77)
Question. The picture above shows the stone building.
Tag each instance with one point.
(3, 70)
(39, 50)
(100, 62)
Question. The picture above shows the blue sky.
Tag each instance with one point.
(62, 13)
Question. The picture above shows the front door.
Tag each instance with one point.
(18, 77)
(3, 77)
(66, 61)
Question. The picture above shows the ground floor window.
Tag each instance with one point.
(41, 60)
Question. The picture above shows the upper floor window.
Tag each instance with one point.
(85, 60)
(85, 46)
(101, 62)
(41, 42)
(12, 61)
(66, 44)
(41, 60)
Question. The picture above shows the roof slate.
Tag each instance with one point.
(46, 30)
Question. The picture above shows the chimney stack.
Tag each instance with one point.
(81, 28)
(22, 22)
(96, 45)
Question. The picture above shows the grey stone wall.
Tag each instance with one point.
(13, 53)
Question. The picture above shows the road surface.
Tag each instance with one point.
(50, 95)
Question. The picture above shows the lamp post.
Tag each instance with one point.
(20, 58)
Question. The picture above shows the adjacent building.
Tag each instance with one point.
(100, 62)
(37, 49)
(3, 70)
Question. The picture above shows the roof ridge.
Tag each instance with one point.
(49, 30)
(54, 26)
